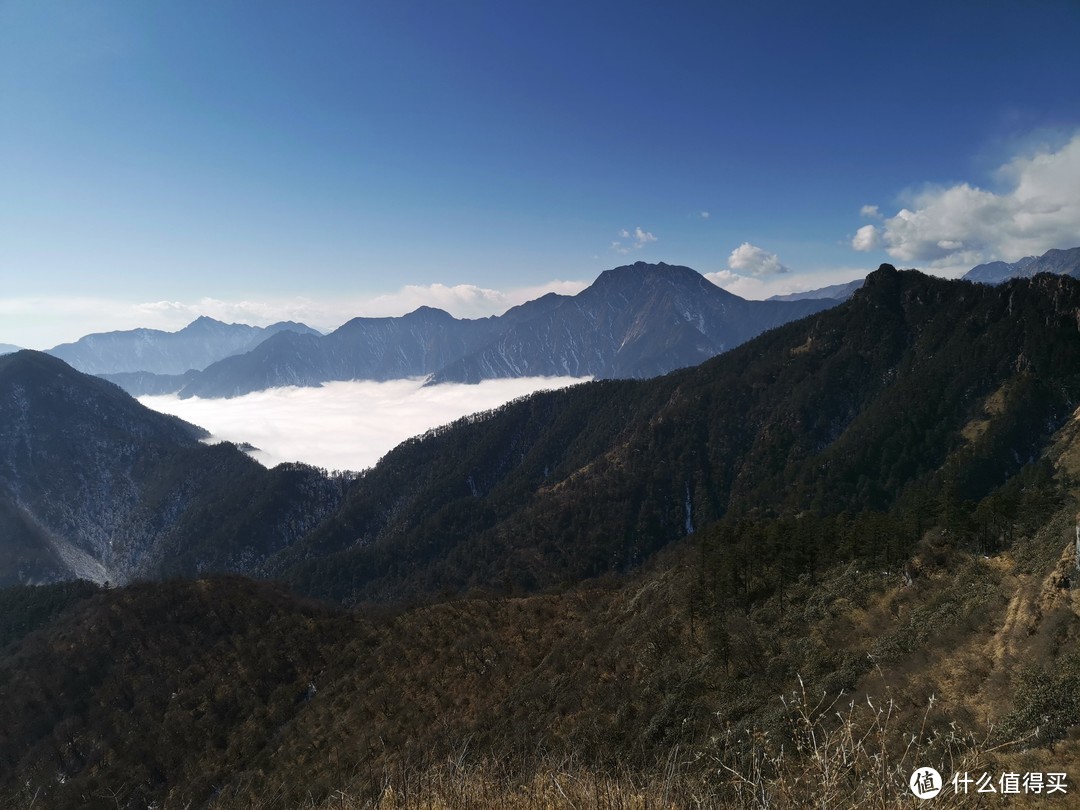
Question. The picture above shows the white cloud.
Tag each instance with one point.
(950, 229)
(639, 238)
(870, 212)
(747, 258)
(343, 425)
(642, 237)
(704, 214)
(868, 237)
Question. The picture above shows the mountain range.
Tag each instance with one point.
(197, 345)
(1059, 262)
(828, 413)
(877, 500)
(634, 321)
(840, 292)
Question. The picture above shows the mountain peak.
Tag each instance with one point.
(26, 361)
(430, 312)
(204, 322)
(646, 270)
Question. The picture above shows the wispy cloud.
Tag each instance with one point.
(343, 425)
(870, 212)
(638, 238)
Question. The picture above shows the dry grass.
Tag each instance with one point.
(854, 755)
(837, 754)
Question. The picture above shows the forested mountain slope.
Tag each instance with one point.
(94, 485)
(916, 385)
(231, 693)
(877, 502)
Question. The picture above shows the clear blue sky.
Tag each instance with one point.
(312, 157)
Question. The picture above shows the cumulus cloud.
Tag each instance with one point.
(868, 237)
(343, 425)
(747, 258)
(949, 229)
(870, 212)
(638, 239)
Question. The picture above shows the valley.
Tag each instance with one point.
(606, 588)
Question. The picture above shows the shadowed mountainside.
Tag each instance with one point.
(94, 485)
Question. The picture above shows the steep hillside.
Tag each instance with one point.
(94, 485)
(666, 684)
(870, 513)
(914, 388)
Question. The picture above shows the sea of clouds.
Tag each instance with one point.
(343, 425)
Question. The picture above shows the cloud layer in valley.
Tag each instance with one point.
(343, 425)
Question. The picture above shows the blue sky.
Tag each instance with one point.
(261, 160)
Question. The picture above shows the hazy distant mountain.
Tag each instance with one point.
(840, 292)
(7, 348)
(197, 345)
(94, 485)
(414, 345)
(636, 321)
(997, 272)
(1060, 262)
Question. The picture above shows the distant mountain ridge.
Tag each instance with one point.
(200, 343)
(635, 321)
(841, 292)
(1059, 262)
